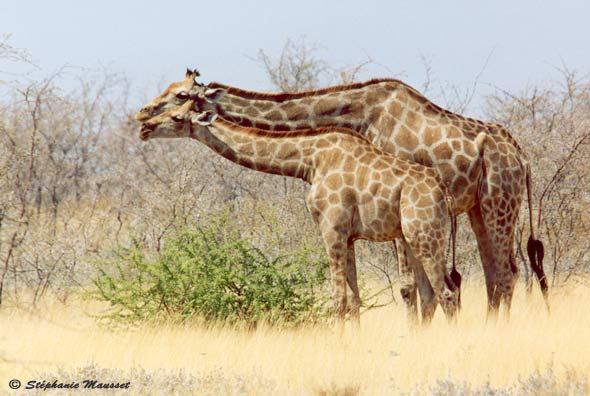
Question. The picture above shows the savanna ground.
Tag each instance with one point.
(531, 354)
(77, 186)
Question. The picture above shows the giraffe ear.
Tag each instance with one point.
(214, 95)
(205, 118)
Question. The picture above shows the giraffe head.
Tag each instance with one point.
(177, 93)
(169, 124)
(179, 122)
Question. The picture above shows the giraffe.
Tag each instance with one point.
(357, 192)
(486, 180)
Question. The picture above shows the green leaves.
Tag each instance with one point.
(209, 273)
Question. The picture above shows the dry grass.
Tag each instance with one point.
(534, 351)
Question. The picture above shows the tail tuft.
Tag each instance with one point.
(536, 252)
(456, 278)
(453, 282)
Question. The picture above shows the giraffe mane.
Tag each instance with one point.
(292, 134)
(284, 96)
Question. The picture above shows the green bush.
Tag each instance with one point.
(209, 273)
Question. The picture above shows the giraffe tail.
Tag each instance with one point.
(535, 248)
(455, 276)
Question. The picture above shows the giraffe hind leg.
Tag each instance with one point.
(408, 287)
(500, 200)
(429, 252)
(486, 255)
(428, 300)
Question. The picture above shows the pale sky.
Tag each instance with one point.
(152, 42)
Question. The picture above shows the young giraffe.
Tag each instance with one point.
(485, 174)
(357, 191)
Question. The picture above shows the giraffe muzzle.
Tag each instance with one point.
(145, 131)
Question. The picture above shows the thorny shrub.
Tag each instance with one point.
(211, 273)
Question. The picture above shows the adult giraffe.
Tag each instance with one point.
(486, 176)
(357, 192)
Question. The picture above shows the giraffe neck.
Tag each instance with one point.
(282, 112)
(289, 154)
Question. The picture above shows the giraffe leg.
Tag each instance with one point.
(408, 283)
(334, 233)
(486, 254)
(427, 297)
(501, 194)
(351, 278)
(337, 251)
(501, 225)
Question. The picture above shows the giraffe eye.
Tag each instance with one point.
(177, 118)
(182, 95)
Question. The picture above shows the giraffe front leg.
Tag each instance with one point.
(335, 238)
(408, 288)
(337, 251)
(337, 258)
(351, 277)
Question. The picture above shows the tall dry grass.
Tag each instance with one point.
(532, 351)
